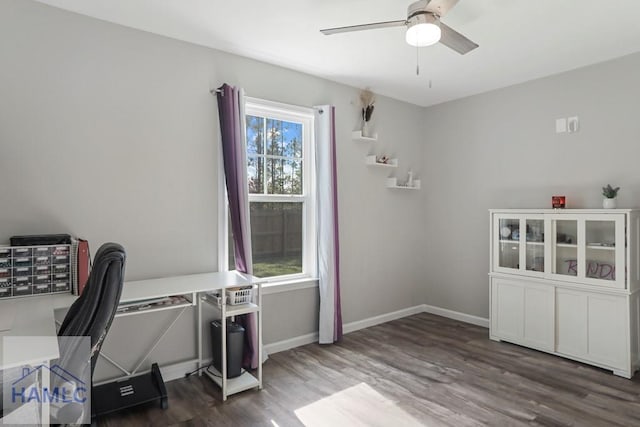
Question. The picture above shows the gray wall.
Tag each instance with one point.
(110, 134)
(500, 150)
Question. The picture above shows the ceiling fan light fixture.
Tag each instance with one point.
(423, 30)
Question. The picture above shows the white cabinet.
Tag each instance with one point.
(593, 326)
(571, 313)
(567, 282)
(523, 313)
(519, 244)
(588, 249)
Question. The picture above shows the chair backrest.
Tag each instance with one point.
(92, 313)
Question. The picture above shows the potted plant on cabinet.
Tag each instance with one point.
(609, 193)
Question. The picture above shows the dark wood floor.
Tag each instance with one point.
(420, 370)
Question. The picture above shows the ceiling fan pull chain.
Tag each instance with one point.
(417, 61)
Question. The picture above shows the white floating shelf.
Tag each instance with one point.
(371, 161)
(357, 136)
(393, 183)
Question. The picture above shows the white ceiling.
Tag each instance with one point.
(519, 40)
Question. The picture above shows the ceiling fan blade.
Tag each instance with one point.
(456, 41)
(441, 7)
(387, 24)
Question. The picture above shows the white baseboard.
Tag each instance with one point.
(177, 370)
(169, 372)
(456, 315)
(383, 318)
(290, 343)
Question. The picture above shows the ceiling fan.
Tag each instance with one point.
(424, 27)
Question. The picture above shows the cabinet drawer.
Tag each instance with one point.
(42, 260)
(62, 277)
(21, 252)
(42, 288)
(22, 271)
(23, 281)
(23, 262)
(60, 287)
(39, 270)
(22, 290)
(60, 259)
(41, 279)
(60, 250)
(41, 251)
(60, 268)
(33, 270)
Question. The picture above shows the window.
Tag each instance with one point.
(280, 169)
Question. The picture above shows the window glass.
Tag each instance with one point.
(280, 202)
(276, 238)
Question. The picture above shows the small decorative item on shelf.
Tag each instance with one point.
(383, 160)
(392, 182)
(609, 193)
(367, 99)
(558, 202)
(410, 179)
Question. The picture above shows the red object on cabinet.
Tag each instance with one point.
(558, 202)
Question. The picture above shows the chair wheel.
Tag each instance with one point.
(164, 403)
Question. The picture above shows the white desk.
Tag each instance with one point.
(179, 285)
(33, 317)
(31, 340)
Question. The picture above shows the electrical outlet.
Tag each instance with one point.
(561, 125)
(573, 124)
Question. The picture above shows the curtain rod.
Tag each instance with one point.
(214, 91)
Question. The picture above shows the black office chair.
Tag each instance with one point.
(91, 316)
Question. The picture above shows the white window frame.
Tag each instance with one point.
(291, 113)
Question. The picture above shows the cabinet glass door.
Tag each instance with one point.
(534, 244)
(600, 252)
(565, 241)
(509, 243)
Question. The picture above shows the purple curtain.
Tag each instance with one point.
(232, 130)
(330, 326)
